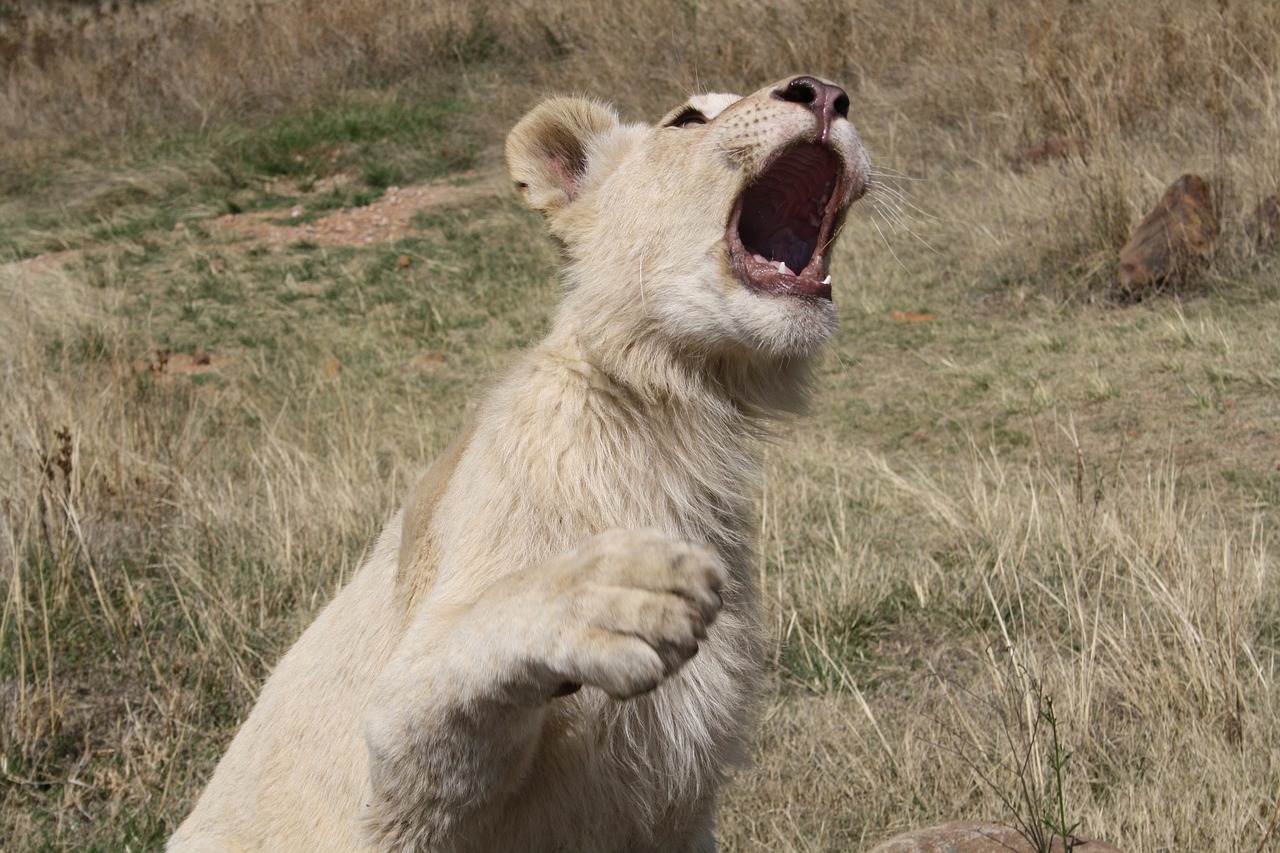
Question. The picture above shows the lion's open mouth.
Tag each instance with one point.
(783, 223)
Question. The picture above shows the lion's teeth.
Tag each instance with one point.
(827, 280)
(782, 268)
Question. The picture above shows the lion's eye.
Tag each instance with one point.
(689, 118)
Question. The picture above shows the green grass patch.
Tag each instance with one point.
(830, 651)
(385, 139)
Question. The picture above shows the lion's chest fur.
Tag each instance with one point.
(562, 453)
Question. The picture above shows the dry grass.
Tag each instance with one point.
(927, 654)
(1035, 498)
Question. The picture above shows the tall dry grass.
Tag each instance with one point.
(987, 595)
(160, 551)
(1051, 66)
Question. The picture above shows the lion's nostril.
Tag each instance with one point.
(802, 90)
(841, 105)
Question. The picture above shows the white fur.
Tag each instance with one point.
(591, 527)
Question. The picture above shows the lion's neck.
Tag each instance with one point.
(742, 389)
(673, 447)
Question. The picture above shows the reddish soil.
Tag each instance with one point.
(386, 220)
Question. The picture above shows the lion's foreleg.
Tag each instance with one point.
(456, 719)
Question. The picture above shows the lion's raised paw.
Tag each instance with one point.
(623, 612)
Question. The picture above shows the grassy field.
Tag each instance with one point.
(1019, 561)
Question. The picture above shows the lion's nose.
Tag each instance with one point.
(825, 99)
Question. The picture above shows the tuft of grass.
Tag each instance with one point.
(1027, 769)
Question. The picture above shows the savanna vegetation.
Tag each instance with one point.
(1019, 561)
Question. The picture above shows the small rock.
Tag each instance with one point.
(1174, 237)
(402, 262)
(331, 367)
(979, 837)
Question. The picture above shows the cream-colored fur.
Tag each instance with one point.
(591, 528)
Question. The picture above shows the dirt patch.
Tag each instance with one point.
(386, 220)
(43, 263)
(167, 366)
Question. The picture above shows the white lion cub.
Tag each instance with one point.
(591, 528)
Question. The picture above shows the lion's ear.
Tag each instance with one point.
(547, 150)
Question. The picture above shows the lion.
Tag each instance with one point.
(556, 643)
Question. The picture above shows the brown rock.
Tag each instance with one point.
(331, 367)
(1168, 245)
(979, 837)
(1264, 225)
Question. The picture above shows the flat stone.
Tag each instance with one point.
(979, 837)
